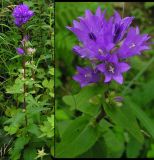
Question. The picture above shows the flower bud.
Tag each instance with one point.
(118, 99)
(20, 51)
(31, 51)
(27, 63)
(25, 40)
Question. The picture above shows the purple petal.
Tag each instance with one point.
(109, 46)
(107, 78)
(101, 67)
(113, 58)
(117, 16)
(76, 24)
(80, 34)
(76, 78)
(88, 14)
(144, 48)
(83, 84)
(123, 67)
(79, 69)
(127, 21)
(98, 12)
(118, 78)
(137, 30)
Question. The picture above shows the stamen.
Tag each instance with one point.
(132, 45)
(111, 69)
(100, 51)
(88, 75)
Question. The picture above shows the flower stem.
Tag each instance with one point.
(100, 115)
(24, 76)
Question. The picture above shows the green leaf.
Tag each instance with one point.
(17, 87)
(45, 83)
(33, 110)
(150, 153)
(48, 84)
(146, 92)
(110, 138)
(34, 129)
(38, 85)
(141, 115)
(124, 118)
(47, 128)
(11, 129)
(97, 151)
(17, 118)
(29, 3)
(17, 56)
(133, 148)
(30, 153)
(61, 115)
(62, 125)
(104, 125)
(31, 101)
(51, 71)
(18, 147)
(84, 101)
(15, 122)
(104, 147)
(77, 138)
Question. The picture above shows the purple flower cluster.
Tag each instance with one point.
(107, 44)
(22, 14)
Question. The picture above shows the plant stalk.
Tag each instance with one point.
(101, 115)
(24, 76)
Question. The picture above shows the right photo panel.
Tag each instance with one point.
(104, 80)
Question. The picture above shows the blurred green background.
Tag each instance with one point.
(138, 84)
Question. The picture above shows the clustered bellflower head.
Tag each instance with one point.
(106, 44)
(22, 14)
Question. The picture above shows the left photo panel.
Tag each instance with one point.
(26, 80)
